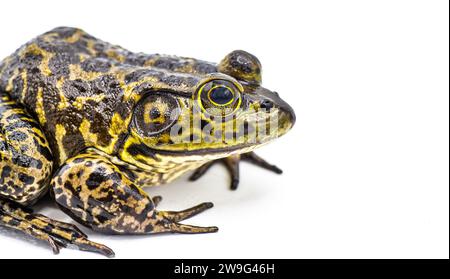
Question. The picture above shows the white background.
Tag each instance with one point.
(366, 166)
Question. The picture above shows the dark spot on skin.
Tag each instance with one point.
(102, 219)
(68, 185)
(100, 46)
(26, 179)
(75, 88)
(143, 216)
(149, 229)
(6, 170)
(80, 173)
(48, 228)
(14, 222)
(29, 217)
(140, 149)
(96, 178)
(100, 65)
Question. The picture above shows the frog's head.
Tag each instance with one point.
(226, 112)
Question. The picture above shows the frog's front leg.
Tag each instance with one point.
(96, 193)
(232, 165)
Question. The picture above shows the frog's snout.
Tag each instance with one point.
(285, 109)
(271, 100)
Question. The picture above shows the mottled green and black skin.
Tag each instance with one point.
(90, 122)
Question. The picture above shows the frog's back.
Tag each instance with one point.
(63, 81)
(76, 86)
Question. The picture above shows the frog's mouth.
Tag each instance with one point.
(216, 152)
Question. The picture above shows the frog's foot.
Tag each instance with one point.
(170, 220)
(57, 234)
(177, 216)
(174, 217)
(232, 165)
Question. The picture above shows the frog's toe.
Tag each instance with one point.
(201, 170)
(256, 160)
(181, 228)
(156, 200)
(177, 216)
(232, 165)
(55, 244)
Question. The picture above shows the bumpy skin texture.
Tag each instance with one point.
(91, 120)
(25, 157)
(82, 90)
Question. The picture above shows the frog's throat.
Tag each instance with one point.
(164, 160)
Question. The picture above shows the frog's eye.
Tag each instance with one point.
(155, 114)
(219, 97)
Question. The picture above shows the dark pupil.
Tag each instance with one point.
(221, 95)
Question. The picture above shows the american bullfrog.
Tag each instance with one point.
(92, 123)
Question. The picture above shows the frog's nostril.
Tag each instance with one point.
(266, 104)
(276, 93)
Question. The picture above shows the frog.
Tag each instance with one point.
(91, 124)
